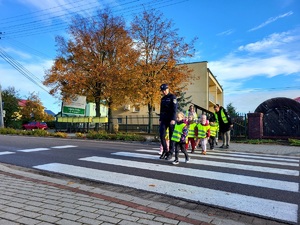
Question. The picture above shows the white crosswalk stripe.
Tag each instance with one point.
(275, 184)
(33, 150)
(42, 149)
(6, 153)
(222, 164)
(253, 171)
(65, 146)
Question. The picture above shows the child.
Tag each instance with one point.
(180, 137)
(161, 149)
(191, 133)
(203, 130)
(213, 133)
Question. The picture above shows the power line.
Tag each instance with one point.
(36, 12)
(57, 23)
(34, 79)
(31, 27)
(19, 44)
(42, 28)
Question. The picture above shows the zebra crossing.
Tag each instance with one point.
(249, 183)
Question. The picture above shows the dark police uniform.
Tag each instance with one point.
(168, 110)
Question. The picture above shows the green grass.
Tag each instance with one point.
(91, 135)
(120, 136)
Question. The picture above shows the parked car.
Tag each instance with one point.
(35, 125)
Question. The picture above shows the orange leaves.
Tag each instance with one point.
(104, 61)
(161, 50)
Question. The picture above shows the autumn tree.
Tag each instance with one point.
(162, 52)
(98, 61)
(34, 109)
(10, 99)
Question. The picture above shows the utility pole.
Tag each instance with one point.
(1, 110)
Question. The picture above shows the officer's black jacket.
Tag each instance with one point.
(168, 108)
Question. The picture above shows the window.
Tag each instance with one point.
(136, 108)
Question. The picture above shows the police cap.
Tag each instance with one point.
(164, 87)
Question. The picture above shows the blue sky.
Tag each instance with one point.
(251, 46)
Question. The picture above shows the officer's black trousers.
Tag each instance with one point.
(164, 125)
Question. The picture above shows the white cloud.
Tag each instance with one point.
(35, 70)
(233, 67)
(273, 42)
(248, 102)
(271, 20)
(8, 51)
(277, 54)
(25, 87)
(226, 32)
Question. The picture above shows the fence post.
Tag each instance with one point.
(126, 129)
(245, 125)
(255, 125)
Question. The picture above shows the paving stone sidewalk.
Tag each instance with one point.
(28, 197)
(265, 149)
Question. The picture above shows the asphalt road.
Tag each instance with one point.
(261, 185)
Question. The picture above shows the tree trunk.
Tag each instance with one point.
(109, 125)
(98, 114)
(150, 118)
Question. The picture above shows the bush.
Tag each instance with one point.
(97, 135)
(79, 135)
(14, 124)
(8, 131)
(37, 133)
(118, 136)
(59, 134)
(294, 142)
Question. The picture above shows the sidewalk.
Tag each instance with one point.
(265, 149)
(28, 197)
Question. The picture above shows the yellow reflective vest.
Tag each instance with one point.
(214, 129)
(194, 114)
(202, 130)
(223, 116)
(178, 132)
(192, 127)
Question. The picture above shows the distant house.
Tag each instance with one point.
(22, 103)
(49, 112)
(205, 92)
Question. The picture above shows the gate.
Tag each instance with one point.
(281, 117)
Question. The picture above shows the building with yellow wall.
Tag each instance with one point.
(205, 93)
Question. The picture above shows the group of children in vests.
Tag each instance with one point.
(201, 133)
(190, 132)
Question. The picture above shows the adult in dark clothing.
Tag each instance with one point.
(167, 119)
(225, 124)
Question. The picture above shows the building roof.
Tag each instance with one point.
(49, 112)
(22, 103)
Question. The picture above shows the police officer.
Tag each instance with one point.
(167, 118)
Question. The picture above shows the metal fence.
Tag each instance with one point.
(140, 124)
(240, 126)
